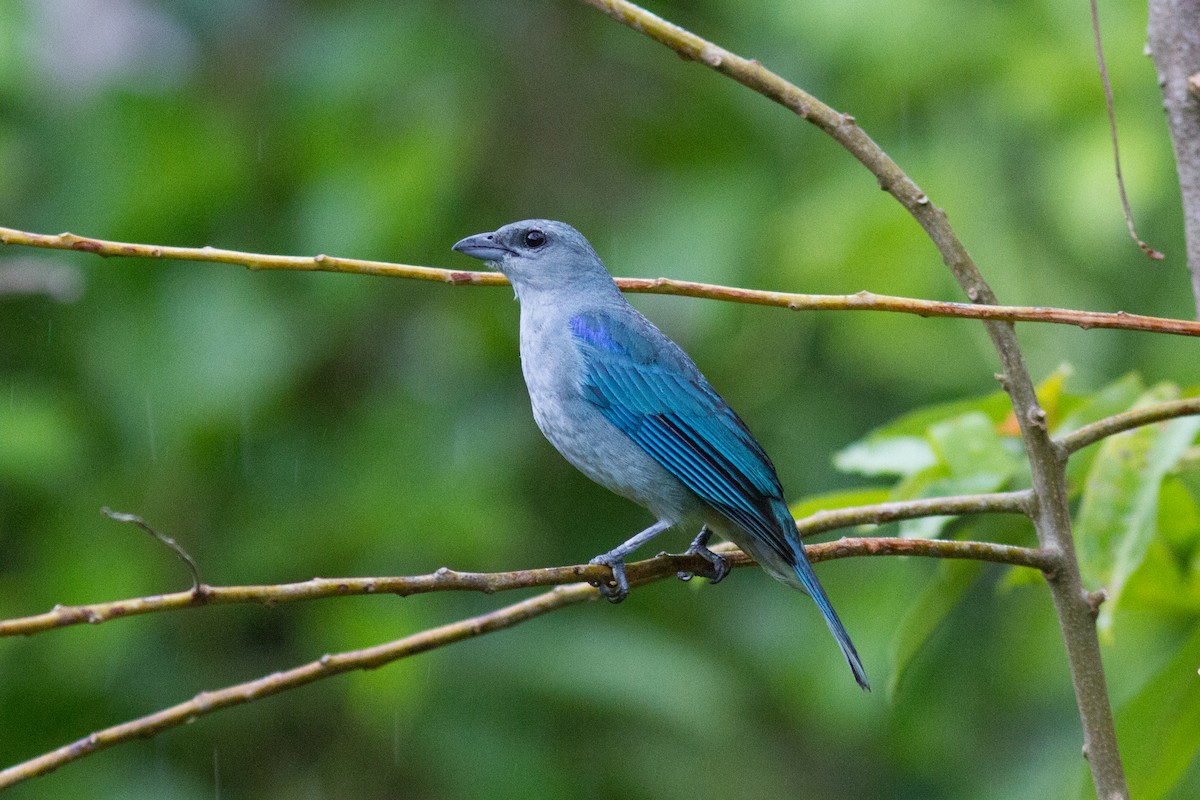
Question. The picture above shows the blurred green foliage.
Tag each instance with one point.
(284, 426)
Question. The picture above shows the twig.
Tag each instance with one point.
(134, 519)
(1052, 519)
(1090, 434)
(447, 580)
(1150, 252)
(861, 301)
(639, 573)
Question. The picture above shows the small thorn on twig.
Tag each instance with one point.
(1095, 600)
(134, 519)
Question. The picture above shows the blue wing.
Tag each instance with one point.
(649, 388)
(643, 383)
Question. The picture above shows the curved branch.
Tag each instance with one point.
(447, 580)
(642, 572)
(1090, 434)
(1052, 519)
(795, 301)
(995, 503)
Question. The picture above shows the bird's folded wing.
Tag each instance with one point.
(646, 386)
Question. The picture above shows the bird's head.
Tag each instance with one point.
(538, 255)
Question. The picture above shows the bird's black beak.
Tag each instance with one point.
(482, 246)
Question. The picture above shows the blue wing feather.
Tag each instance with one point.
(645, 385)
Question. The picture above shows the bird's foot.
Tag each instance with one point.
(718, 564)
(617, 589)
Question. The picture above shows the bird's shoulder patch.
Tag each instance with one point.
(622, 336)
(595, 330)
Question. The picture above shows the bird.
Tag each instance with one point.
(626, 406)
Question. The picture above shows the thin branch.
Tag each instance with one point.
(1090, 434)
(447, 580)
(166, 541)
(1052, 519)
(1150, 252)
(995, 503)
(253, 261)
(642, 572)
(861, 301)
(869, 301)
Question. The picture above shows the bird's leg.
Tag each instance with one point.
(720, 564)
(615, 560)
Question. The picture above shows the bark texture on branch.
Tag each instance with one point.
(1174, 36)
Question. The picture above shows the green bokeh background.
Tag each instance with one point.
(282, 426)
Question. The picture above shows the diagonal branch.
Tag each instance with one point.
(327, 666)
(1090, 434)
(447, 580)
(861, 301)
(1047, 462)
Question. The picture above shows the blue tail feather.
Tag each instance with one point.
(807, 577)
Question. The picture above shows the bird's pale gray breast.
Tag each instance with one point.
(554, 371)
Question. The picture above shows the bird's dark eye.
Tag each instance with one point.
(535, 238)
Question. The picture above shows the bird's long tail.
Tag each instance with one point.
(808, 578)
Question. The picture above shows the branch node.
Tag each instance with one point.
(1037, 417)
(1095, 600)
(1193, 84)
(712, 56)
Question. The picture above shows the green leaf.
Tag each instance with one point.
(971, 448)
(1114, 398)
(1168, 580)
(916, 423)
(1178, 519)
(1165, 720)
(935, 602)
(901, 448)
(975, 460)
(900, 455)
(1119, 512)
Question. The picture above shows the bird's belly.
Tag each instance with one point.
(603, 452)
